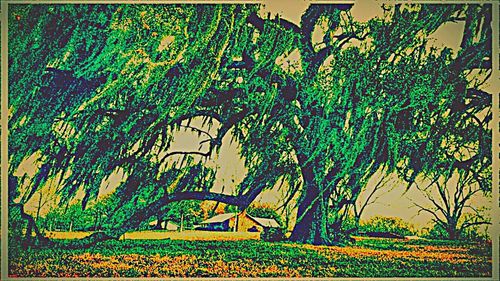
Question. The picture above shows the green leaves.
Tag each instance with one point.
(97, 88)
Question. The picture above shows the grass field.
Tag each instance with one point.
(195, 256)
(161, 234)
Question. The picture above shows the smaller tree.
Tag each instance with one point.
(369, 196)
(187, 213)
(450, 203)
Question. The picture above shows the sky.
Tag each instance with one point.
(395, 200)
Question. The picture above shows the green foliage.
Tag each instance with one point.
(97, 216)
(436, 231)
(272, 235)
(73, 217)
(264, 211)
(479, 232)
(119, 50)
(96, 89)
(470, 233)
(188, 210)
(387, 224)
(350, 223)
(16, 229)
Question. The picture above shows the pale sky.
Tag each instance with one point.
(231, 169)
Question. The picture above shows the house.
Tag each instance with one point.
(165, 225)
(222, 222)
(238, 222)
(171, 226)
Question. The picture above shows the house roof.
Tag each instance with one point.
(265, 222)
(219, 218)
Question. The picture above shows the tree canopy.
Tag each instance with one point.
(96, 89)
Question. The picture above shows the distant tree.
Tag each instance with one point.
(373, 194)
(450, 203)
(474, 232)
(387, 224)
(188, 212)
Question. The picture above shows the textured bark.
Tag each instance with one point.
(31, 228)
(312, 214)
(452, 229)
(312, 228)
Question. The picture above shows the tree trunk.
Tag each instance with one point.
(452, 234)
(88, 241)
(39, 207)
(311, 225)
(452, 231)
(31, 227)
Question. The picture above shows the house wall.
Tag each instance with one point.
(244, 223)
(218, 226)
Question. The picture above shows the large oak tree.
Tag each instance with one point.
(97, 89)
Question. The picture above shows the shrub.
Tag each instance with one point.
(272, 235)
(435, 231)
(387, 224)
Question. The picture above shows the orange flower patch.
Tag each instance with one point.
(454, 255)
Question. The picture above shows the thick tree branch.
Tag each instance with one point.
(32, 227)
(218, 97)
(258, 23)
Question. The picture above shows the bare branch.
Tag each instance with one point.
(470, 224)
(203, 154)
(430, 211)
(198, 130)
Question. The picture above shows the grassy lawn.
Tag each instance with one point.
(162, 234)
(199, 257)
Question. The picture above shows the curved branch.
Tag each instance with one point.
(430, 211)
(203, 154)
(32, 227)
(198, 130)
